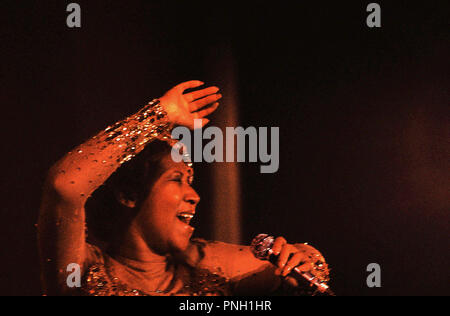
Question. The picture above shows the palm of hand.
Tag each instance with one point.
(182, 109)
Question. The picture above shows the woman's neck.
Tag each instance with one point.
(132, 247)
(136, 265)
(132, 250)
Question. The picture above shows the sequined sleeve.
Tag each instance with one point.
(89, 165)
(70, 182)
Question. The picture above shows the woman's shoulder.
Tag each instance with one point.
(217, 250)
(214, 246)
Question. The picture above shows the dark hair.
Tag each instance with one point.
(105, 215)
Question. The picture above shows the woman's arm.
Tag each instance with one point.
(70, 182)
(251, 276)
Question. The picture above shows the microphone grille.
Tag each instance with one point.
(261, 245)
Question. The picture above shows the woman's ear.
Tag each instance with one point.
(128, 201)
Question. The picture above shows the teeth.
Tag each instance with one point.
(185, 217)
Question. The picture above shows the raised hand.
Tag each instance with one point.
(182, 109)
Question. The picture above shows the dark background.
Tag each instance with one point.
(363, 116)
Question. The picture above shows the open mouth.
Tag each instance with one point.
(185, 217)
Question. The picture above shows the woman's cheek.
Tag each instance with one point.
(173, 194)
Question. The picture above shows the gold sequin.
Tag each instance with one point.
(97, 282)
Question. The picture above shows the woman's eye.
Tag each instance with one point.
(180, 178)
(176, 178)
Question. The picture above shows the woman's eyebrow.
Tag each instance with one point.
(175, 171)
(178, 172)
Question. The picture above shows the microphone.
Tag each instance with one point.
(261, 248)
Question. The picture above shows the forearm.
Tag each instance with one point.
(61, 240)
(80, 172)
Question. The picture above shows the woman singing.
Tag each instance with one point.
(139, 204)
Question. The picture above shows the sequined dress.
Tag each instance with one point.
(100, 281)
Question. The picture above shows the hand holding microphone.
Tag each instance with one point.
(302, 262)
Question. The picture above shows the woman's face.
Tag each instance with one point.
(165, 214)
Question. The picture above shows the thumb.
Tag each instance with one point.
(204, 122)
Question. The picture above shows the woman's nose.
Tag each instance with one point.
(191, 196)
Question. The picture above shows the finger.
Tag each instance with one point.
(291, 281)
(189, 85)
(294, 261)
(207, 111)
(200, 93)
(308, 266)
(277, 245)
(194, 106)
(285, 253)
(199, 103)
(191, 125)
(204, 122)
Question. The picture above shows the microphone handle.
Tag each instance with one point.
(301, 276)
